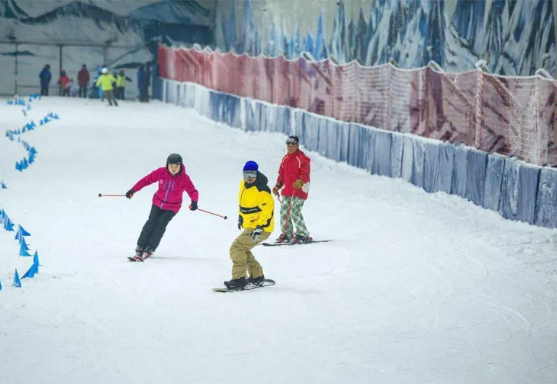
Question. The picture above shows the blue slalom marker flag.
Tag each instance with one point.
(8, 225)
(36, 258)
(23, 231)
(17, 281)
(30, 272)
(23, 250)
(0, 285)
(23, 243)
(36, 261)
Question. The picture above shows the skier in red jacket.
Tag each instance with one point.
(167, 201)
(293, 179)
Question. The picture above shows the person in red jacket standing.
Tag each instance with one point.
(293, 179)
(83, 78)
(167, 201)
(63, 81)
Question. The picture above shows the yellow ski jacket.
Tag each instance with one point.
(105, 82)
(257, 204)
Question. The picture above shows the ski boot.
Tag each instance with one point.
(236, 284)
(256, 281)
(283, 239)
(299, 239)
(147, 252)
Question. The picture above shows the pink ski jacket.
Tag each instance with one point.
(171, 188)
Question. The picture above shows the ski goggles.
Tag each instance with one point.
(292, 140)
(250, 174)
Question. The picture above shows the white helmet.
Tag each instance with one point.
(105, 70)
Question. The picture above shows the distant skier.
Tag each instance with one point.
(45, 76)
(83, 78)
(256, 220)
(293, 179)
(167, 201)
(106, 82)
(63, 82)
(121, 79)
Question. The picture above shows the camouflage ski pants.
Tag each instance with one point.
(291, 216)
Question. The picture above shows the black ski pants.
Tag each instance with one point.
(154, 228)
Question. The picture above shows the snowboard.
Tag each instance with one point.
(249, 287)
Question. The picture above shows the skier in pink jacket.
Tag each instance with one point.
(167, 201)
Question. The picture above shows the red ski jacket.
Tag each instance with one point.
(83, 77)
(171, 188)
(294, 166)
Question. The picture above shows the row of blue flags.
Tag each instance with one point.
(8, 224)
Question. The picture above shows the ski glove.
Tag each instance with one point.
(193, 205)
(130, 193)
(240, 222)
(298, 184)
(256, 234)
(275, 190)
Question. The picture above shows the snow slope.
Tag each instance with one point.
(415, 288)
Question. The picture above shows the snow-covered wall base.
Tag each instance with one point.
(518, 191)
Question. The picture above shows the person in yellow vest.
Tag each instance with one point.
(121, 79)
(105, 81)
(256, 220)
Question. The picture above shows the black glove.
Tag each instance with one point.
(130, 193)
(193, 205)
(240, 222)
(256, 234)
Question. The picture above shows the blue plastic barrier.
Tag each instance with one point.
(493, 181)
(431, 166)
(509, 190)
(382, 163)
(528, 179)
(418, 163)
(476, 164)
(444, 175)
(355, 149)
(397, 147)
(458, 185)
(407, 159)
(367, 142)
(546, 202)
(310, 132)
(344, 143)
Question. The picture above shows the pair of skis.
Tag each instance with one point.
(295, 243)
(135, 259)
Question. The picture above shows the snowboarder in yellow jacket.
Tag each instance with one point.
(106, 81)
(256, 220)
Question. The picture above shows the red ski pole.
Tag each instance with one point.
(101, 195)
(211, 213)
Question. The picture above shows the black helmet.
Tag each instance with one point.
(174, 158)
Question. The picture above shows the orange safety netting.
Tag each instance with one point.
(507, 115)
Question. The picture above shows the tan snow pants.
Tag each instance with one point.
(242, 259)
